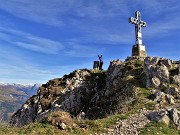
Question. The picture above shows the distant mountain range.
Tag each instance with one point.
(12, 96)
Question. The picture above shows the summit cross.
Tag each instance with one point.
(138, 24)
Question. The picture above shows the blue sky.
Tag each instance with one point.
(45, 39)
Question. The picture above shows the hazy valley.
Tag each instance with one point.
(12, 96)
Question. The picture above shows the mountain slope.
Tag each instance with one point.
(12, 96)
(96, 94)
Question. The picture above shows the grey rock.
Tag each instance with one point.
(154, 116)
(155, 69)
(159, 117)
(172, 91)
(165, 119)
(155, 82)
(162, 98)
(166, 62)
(62, 125)
(176, 79)
(81, 116)
(170, 99)
(175, 116)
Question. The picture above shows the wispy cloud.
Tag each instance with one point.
(52, 13)
(16, 68)
(113, 39)
(162, 27)
(79, 50)
(159, 7)
(30, 42)
(40, 45)
(41, 11)
(26, 73)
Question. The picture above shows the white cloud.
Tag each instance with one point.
(113, 39)
(40, 45)
(119, 35)
(162, 27)
(77, 50)
(159, 7)
(27, 41)
(16, 68)
(27, 72)
(24, 73)
(41, 11)
(52, 12)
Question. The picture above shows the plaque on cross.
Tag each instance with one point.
(138, 24)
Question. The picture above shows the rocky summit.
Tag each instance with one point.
(93, 94)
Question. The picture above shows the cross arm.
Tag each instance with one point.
(133, 20)
(143, 24)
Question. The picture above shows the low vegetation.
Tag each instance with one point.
(155, 128)
(60, 116)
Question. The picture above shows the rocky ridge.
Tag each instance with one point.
(94, 94)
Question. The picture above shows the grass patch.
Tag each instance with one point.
(97, 71)
(79, 128)
(31, 129)
(144, 92)
(155, 128)
(100, 125)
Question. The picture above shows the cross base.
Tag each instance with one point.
(139, 50)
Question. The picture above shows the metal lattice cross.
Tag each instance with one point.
(138, 24)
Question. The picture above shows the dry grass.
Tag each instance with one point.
(60, 116)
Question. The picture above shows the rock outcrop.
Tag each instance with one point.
(165, 116)
(162, 75)
(157, 73)
(95, 94)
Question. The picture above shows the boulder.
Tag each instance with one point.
(157, 73)
(62, 125)
(176, 79)
(165, 116)
(175, 116)
(151, 61)
(172, 91)
(166, 62)
(159, 117)
(165, 119)
(81, 116)
(155, 82)
(161, 97)
(170, 99)
(162, 73)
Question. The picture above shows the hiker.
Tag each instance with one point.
(100, 62)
